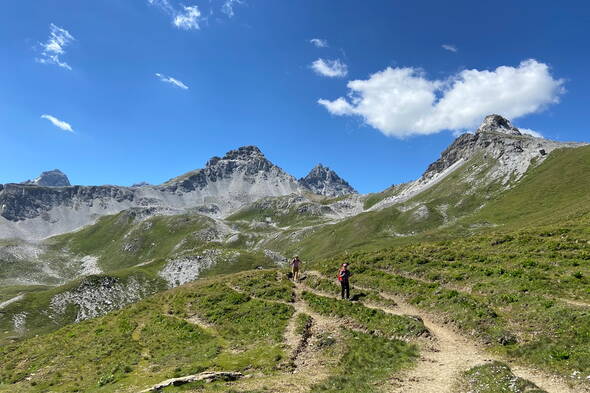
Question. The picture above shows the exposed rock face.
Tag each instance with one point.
(54, 178)
(19, 201)
(179, 271)
(324, 181)
(98, 295)
(243, 176)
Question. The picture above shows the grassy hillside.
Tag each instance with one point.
(284, 212)
(131, 252)
(257, 323)
(458, 195)
(206, 325)
(461, 205)
(45, 310)
(124, 240)
(555, 190)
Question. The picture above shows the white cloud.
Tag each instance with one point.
(58, 123)
(402, 102)
(319, 43)
(54, 48)
(338, 107)
(450, 48)
(228, 7)
(172, 81)
(528, 131)
(189, 19)
(164, 5)
(330, 68)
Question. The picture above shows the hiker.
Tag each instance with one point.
(343, 276)
(295, 268)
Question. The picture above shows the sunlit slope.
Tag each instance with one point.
(134, 257)
(48, 309)
(556, 190)
(463, 203)
(126, 239)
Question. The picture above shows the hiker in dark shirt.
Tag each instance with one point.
(295, 265)
(343, 276)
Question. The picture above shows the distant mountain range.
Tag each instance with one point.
(48, 205)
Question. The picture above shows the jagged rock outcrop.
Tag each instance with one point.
(496, 123)
(243, 176)
(23, 201)
(324, 181)
(54, 178)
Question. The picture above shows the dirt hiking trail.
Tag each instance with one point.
(447, 354)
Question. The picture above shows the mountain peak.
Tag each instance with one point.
(498, 139)
(319, 168)
(54, 178)
(497, 123)
(244, 153)
(324, 181)
(245, 171)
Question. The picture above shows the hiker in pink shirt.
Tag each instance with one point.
(343, 276)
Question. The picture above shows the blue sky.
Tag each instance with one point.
(246, 72)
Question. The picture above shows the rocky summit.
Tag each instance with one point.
(496, 138)
(54, 178)
(496, 123)
(324, 181)
(242, 169)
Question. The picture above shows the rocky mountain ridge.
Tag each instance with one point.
(226, 184)
(243, 176)
(508, 152)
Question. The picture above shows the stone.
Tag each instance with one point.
(206, 376)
